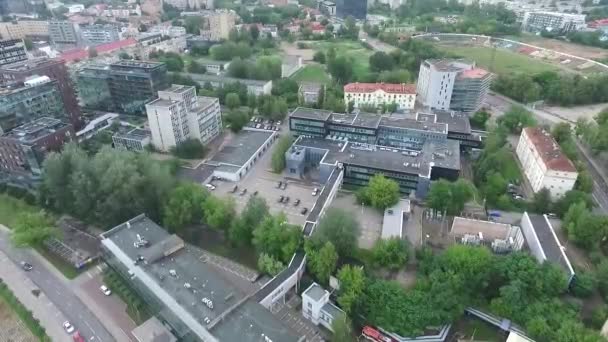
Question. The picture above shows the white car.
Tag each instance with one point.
(106, 291)
(69, 328)
(210, 186)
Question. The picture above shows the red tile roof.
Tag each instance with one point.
(400, 88)
(598, 23)
(549, 150)
(81, 54)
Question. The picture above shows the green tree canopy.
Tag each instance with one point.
(340, 228)
(241, 230)
(321, 261)
(184, 206)
(391, 253)
(352, 284)
(31, 229)
(381, 192)
(277, 238)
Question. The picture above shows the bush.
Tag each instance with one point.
(278, 155)
(584, 285)
(189, 149)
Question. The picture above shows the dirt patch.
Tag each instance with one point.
(569, 48)
(11, 328)
(292, 49)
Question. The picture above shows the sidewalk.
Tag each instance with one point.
(42, 308)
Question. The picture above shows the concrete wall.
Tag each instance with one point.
(533, 243)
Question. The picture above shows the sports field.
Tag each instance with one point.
(505, 61)
(312, 73)
(353, 49)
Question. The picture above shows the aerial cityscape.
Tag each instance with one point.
(304, 170)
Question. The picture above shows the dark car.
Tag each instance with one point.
(296, 202)
(286, 200)
(281, 199)
(26, 266)
(304, 211)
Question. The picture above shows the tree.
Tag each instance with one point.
(541, 203)
(241, 230)
(584, 285)
(278, 155)
(341, 229)
(391, 253)
(561, 132)
(571, 197)
(319, 57)
(584, 182)
(352, 284)
(480, 118)
(321, 262)
(184, 206)
(516, 118)
(381, 192)
(218, 213)
(473, 264)
(28, 44)
(381, 61)
(269, 265)
(342, 330)
(445, 196)
(189, 149)
(197, 68)
(193, 24)
(254, 31)
(237, 119)
(31, 229)
(276, 237)
(395, 76)
(124, 55)
(233, 101)
(341, 69)
(92, 52)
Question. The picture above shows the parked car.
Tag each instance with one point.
(26, 266)
(279, 185)
(255, 193)
(286, 200)
(236, 187)
(68, 327)
(281, 199)
(315, 191)
(296, 202)
(210, 186)
(243, 192)
(284, 185)
(105, 290)
(304, 211)
(77, 337)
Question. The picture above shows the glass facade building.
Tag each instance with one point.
(94, 88)
(133, 83)
(353, 8)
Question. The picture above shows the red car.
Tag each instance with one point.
(77, 337)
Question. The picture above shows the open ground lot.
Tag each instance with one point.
(312, 73)
(11, 328)
(370, 219)
(505, 61)
(352, 49)
(562, 46)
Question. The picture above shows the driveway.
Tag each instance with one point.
(57, 290)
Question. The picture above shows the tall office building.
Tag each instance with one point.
(63, 34)
(96, 34)
(22, 150)
(452, 85)
(93, 83)
(538, 21)
(134, 83)
(351, 8)
(24, 28)
(217, 25)
(56, 70)
(39, 96)
(11, 51)
(178, 115)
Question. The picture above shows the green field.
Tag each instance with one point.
(312, 73)
(505, 61)
(10, 207)
(353, 49)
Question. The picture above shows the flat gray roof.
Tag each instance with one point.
(134, 134)
(230, 302)
(224, 79)
(315, 291)
(392, 224)
(366, 120)
(457, 122)
(411, 123)
(490, 230)
(160, 103)
(332, 310)
(310, 113)
(153, 330)
(244, 144)
(549, 242)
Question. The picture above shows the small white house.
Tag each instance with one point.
(317, 307)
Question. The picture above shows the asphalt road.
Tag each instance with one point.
(58, 291)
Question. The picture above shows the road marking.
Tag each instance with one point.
(89, 274)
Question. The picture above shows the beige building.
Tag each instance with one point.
(24, 28)
(543, 162)
(218, 25)
(377, 94)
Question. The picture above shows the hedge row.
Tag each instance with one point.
(23, 313)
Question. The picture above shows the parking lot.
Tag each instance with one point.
(370, 219)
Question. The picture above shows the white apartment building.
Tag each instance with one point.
(447, 84)
(543, 162)
(536, 21)
(317, 307)
(218, 24)
(376, 94)
(178, 115)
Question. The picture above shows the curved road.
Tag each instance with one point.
(58, 291)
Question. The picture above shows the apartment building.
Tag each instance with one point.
(190, 4)
(355, 8)
(38, 97)
(122, 11)
(217, 24)
(537, 21)
(22, 150)
(11, 51)
(543, 162)
(64, 34)
(96, 34)
(378, 94)
(24, 28)
(452, 85)
(55, 69)
(179, 114)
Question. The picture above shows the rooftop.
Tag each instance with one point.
(414, 124)
(310, 113)
(315, 292)
(135, 134)
(450, 65)
(135, 64)
(394, 217)
(82, 54)
(28, 64)
(33, 131)
(549, 150)
(474, 73)
(457, 122)
(489, 230)
(223, 79)
(552, 248)
(181, 278)
(392, 88)
(153, 330)
(242, 147)
(361, 119)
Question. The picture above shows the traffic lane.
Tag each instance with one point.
(59, 293)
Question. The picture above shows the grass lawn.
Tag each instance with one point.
(353, 49)
(477, 330)
(312, 73)
(61, 265)
(506, 62)
(10, 207)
